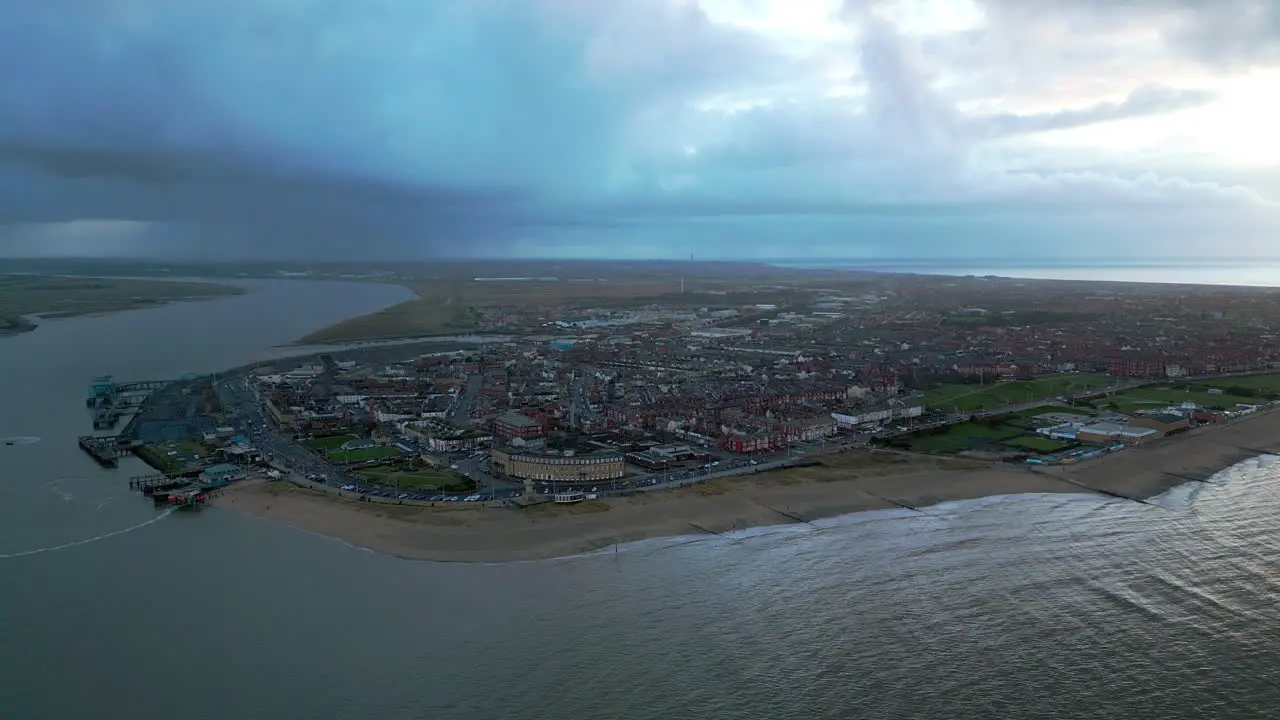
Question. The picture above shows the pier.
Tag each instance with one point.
(104, 390)
(158, 483)
(181, 491)
(106, 449)
(110, 400)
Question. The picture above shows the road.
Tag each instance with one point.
(241, 401)
(475, 468)
(579, 403)
(460, 414)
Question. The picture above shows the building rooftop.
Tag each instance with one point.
(1107, 428)
(516, 419)
(546, 454)
(220, 469)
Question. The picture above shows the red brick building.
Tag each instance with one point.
(807, 429)
(516, 425)
(748, 444)
(1135, 368)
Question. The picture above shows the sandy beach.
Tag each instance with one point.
(843, 483)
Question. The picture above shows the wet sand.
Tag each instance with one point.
(844, 483)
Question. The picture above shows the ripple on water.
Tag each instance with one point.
(19, 440)
(86, 541)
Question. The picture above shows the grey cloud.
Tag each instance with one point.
(900, 139)
(1232, 32)
(1216, 32)
(1142, 102)
(94, 162)
(535, 95)
(342, 127)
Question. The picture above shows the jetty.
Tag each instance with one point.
(181, 491)
(158, 486)
(106, 449)
(105, 391)
(110, 400)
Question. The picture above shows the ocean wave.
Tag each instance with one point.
(86, 541)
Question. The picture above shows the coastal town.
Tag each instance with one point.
(569, 402)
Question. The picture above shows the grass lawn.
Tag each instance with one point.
(1149, 398)
(66, 296)
(964, 436)
(328, 443)
(158, 457)
(13, 324)
(448, 306)
(425, 316)
(1037, 443)
(193, 447)
(970, 398)
(361, 454)
(1267, 384)
(1031, 413)
(420, 480)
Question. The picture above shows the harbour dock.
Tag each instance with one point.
(182, 491)
(158, 486)
(106, 449)
(110, 400)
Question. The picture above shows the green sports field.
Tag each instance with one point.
(971, 398)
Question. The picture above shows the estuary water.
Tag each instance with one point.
(1199, 271)
(1027, 606)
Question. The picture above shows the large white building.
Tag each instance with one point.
(852, 421)
(444, 436)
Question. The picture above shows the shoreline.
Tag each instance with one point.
(30, 321)
(844, 483)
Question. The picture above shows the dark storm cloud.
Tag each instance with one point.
(70, 162)
(470, 126)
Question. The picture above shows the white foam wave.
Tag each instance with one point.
(86, 541)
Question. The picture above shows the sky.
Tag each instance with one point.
(736, 129)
